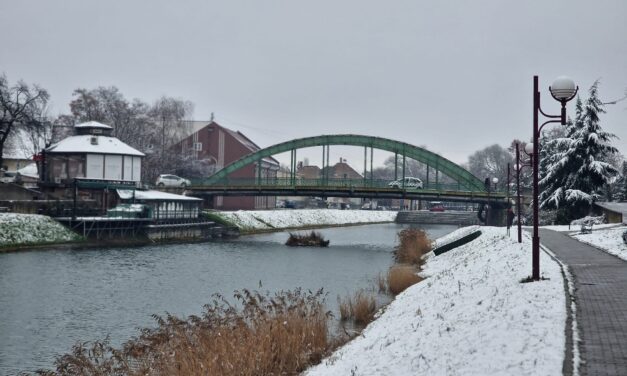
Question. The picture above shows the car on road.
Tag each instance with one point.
(410, 183)
(172, 181)
(436, 206)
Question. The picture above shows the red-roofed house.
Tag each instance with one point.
(221, 146)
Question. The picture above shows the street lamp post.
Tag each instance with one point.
(562, 90)
(489, 206)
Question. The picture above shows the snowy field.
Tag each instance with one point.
(608, 239)
(278, 219)
(471, 316)
(17, 229)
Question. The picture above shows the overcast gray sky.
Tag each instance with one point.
(455, 76)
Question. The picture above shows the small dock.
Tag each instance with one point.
(101, 228)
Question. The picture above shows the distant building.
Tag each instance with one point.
(339, 171)
(91, 154)
(161, 205)
(216, 146)
(18, 153)
(342, 170)
(615, 212)
(93, 160)
(308, 172)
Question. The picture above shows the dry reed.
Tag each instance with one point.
(360, 308)
(381, 283)
(364, 308)
(401, 277)
(413, 244)
(283, 334)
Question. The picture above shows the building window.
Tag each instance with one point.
(198, 146)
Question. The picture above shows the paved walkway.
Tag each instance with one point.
(601, 296)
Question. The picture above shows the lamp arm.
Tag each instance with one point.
(549, 116)
(547, 122)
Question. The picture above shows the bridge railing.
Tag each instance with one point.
(322, 182)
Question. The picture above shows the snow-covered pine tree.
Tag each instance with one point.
(620, 187)
(577, 173)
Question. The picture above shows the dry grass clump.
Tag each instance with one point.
(381, 283)
(401, 277)
(278, 335)
(361, 308)
(364, 308)
(413, 244)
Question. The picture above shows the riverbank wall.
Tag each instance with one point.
(254, 221)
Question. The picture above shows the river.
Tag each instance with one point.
(50, 299)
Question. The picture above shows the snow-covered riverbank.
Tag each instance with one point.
(25, 229)
(608, 239)
(471, 316)
(282, 219)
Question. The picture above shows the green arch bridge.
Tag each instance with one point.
(465, 187)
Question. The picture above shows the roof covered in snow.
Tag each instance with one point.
(127, 194)
(618, 207)
(30, 170)
(93, 124)
(83, 144)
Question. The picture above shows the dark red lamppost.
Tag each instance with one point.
(563, 90)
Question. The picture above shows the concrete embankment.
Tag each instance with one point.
(272, 220)
(460, 218)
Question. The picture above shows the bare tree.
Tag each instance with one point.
(167, 114)
(490, 162)
(150, 129)
(21, 107)
(129, 119)
(167, 127)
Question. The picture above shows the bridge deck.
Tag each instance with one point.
(346, 191)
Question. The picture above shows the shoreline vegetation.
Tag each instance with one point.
(259, 334)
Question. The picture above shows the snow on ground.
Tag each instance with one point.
(607, 239)
(17, 229)
(572, 228)
(471, 316)
(269, 219)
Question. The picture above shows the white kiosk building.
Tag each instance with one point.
(92, 154)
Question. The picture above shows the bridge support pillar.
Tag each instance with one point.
(497, 215)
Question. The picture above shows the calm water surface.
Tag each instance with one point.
(51, 299)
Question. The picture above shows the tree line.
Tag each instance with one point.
(578, 163)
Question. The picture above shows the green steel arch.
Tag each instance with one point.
(457, 173)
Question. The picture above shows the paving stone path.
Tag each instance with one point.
(601, 295)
